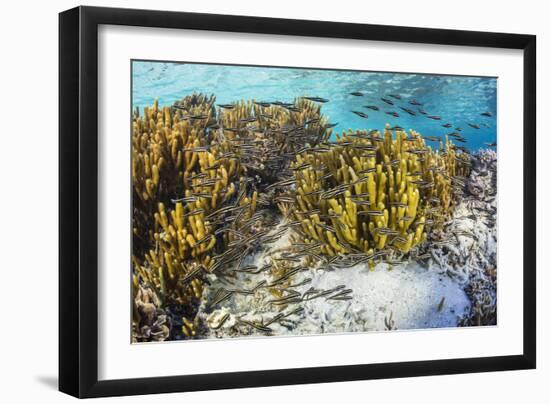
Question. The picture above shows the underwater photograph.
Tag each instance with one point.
(271, 201)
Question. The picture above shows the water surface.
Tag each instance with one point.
(458, 100)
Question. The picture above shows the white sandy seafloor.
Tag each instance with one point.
(445, 290)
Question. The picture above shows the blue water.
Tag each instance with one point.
(459, 100)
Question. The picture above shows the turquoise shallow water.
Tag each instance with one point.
(458, 100)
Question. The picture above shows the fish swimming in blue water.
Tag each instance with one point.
(422, 111)
(262, 103)
(414, 102)
(473, 125)
(487, 113)
(392, 113)
(390, 102)
(361, 114)
(373, 107)
(397, 97)
(226, 106)
(317, 99)
(458, 129)
(357, 94)
(434, 117)
(408, 111)
(447, 125)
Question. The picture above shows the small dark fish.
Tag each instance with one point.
(202, 195)
(392, 113)
(221, 322)
(398, 204)
(491, 144)
(185, 199)
(447, 125)
(302, 166)
(397, 128)
(414, 102)
(397, 97)
(363, 195)
(363, 203)
(458, 129)
(422, 111)
(204, 240)
(486, 113)
(194, 212)
(390, 102)
(257, 326)
(408, 111)
(311, 121)
(441, 303)
(246, 120)
(361, 114)
(326, 227)
(198, 176)
(197, 149)
(373, 107)
(473, 125)
(226, 106)
(434, 117)
(399, 239)
(223, 297)
(262, 104)
(357, 94)
(330, 125)
(317, 99)
(386, 231)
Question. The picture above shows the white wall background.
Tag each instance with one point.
(28, 202)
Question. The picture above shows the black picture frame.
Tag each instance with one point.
(78, 201)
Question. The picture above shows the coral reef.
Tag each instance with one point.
(216, 188)
(368, 194)
(199, 180)
(149, 322)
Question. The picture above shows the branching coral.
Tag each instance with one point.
(199, 176)
(367, 193)
(205, 178)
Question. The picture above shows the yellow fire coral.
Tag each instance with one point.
(367, 193)
(198, 176)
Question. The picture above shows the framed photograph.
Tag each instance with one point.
(250, 201)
